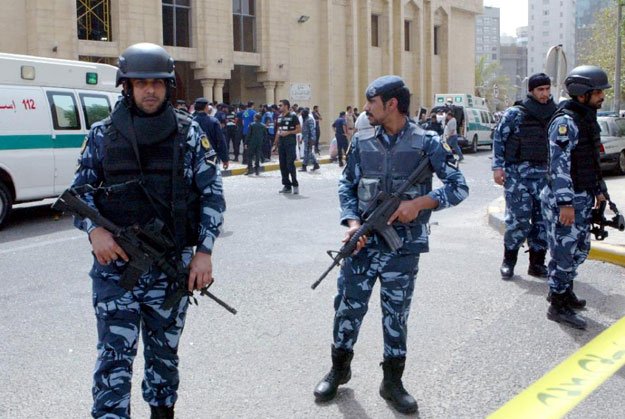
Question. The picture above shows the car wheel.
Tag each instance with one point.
(621, 163)
(474, 144)
(5, 203)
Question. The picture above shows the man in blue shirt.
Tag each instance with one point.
(268, 122)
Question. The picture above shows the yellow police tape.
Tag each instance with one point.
(564, 387)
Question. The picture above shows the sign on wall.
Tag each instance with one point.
(300, 92)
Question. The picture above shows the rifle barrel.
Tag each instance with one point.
(321, 278)
(207, 293)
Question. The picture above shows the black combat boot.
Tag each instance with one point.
(509, 260)
(574, 302)
(537, 266)
(257, 170)
(392, 388)
(303, 169)
(340, 373)
(315, 167)
(560, 311)
(162, 412)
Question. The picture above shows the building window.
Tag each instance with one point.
(176, 23)
(375, 31)
(406, 35)
(494, 56)
(436, 30)
(94, 20)
(244, 25)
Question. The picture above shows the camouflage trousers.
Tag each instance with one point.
(568, 245)
(524, 219)
(397, 273)
(120, 315)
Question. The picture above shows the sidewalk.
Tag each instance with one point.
(611, 250)
(237, 168)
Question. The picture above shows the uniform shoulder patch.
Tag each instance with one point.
(446, 146)
(205, 143)
(563, 129)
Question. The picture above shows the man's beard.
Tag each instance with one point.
(374, 123)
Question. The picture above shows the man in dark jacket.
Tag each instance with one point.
(212, 129)
(520, 157)
(254, 144)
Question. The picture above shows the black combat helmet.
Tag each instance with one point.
(586, 78)
(145, 61)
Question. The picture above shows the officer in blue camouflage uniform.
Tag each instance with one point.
(520, 155)
(146, 139)
(574, 186)
(382, 162)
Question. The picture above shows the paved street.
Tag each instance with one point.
(475, 341)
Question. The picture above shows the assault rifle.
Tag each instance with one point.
(375, 218)
(599, 222)
(145, 246)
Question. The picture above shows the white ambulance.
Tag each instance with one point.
(46, 108)
(475, 122)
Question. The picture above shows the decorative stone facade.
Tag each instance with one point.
(327, 60)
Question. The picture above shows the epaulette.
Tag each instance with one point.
(184, 120)
(106, 122)
(107, 127)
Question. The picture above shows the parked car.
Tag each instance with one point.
(612, 143)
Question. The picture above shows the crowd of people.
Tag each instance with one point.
(236, 120)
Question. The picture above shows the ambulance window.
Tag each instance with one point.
(64, 110)
(95, 108)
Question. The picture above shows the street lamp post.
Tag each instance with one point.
(617, 72)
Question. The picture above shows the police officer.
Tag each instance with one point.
(575, 185)
(520, 154)
(381, 162)
(212, 128)
(146, 161)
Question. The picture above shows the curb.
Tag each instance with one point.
(268, 167)
(604, 252)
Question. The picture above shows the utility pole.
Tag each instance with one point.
(617, 72)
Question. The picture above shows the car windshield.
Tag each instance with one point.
(604, 128)
(620, 127)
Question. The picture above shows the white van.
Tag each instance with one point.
(475, 122)
(46, 108)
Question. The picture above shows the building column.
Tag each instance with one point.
(218, 90)
(281, 91)
(207, 88)
(270, 92)
(390, 41)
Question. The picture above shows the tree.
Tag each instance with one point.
(492, 84)
(600, 47)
